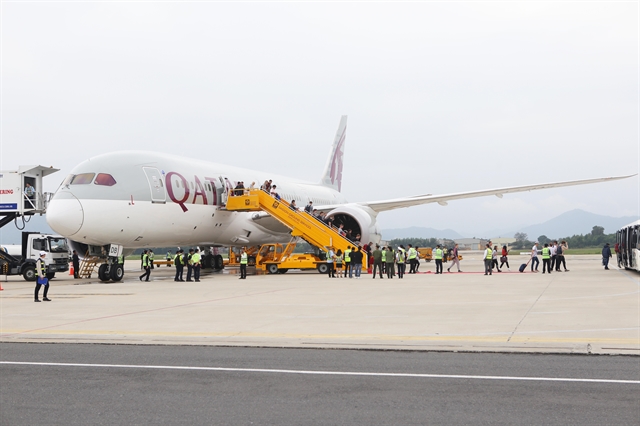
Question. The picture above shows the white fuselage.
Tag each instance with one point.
(144, 199)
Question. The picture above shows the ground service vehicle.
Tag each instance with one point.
(278, 259)
(21, 260)
(628, 244)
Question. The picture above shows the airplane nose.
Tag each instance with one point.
(65, 214)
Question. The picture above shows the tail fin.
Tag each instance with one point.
(332, 176)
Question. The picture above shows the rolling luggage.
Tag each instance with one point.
(524, 266)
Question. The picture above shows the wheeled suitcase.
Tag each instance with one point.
(524, 266)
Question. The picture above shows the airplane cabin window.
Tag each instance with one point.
(82, 179)
(104, 179)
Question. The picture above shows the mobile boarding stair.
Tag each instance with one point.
(301, 223)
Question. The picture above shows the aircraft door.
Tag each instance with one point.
(156, 184)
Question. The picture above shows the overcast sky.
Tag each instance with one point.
(441, 97)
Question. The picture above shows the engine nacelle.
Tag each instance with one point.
(361, 220)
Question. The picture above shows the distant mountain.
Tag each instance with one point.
(418, 232)
(9, 234)
(574, 222)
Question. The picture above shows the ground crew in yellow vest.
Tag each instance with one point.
(179, 262)
(347, 262)
(411, 257)
(41, 278)
(146, 266)
(384, 259)
(195, 259)
(437, 255)
(488, 259)
(546, 258)
(244, 260)
(189, 263)
(389, 259)
(169, 258)
(401, 256)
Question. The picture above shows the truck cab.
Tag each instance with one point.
(21, 260)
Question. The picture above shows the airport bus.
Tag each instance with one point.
(628, 246)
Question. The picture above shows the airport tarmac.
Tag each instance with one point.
(586, 310)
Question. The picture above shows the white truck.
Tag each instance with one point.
(21, 260)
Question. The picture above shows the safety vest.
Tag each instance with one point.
(177, 259)
(244, 258)
(121, 260)
(195, 259)
(169, 256)
(489, 254)
(438, 255)
(412, 253)
(546, 253)
(145, 260)
(401, 256)
(384, 256)
(151, 255)
(347, 255)
(43, 267)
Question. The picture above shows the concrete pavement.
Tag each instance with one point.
(586, 310)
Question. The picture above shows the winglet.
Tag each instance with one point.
(332, 176)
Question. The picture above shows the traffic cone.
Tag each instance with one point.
(1, 286)
(71, 271)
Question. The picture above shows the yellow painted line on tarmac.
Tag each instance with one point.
(374, 338)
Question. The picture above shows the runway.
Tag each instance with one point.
(146, 384)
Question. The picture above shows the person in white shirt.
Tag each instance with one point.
(534, 257)
(553, 249)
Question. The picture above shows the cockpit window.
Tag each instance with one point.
(82, 179)
(105, 179)
(67, 180)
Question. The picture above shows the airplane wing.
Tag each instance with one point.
(398, 203)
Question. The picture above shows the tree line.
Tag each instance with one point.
(596, 238)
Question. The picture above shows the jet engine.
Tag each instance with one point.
(360, 219)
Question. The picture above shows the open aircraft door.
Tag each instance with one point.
(156, 184)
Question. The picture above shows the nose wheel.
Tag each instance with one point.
(113, 272)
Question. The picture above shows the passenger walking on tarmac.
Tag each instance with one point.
(41, 279)
(400, 261)
(244, 260)
(356, 262)
(559, 256)
(546, 259)
(347, 262)
(196, 265)
(415, 271)
(488, 259)
(562, 248)
(494, 260)
(552, 249)
(331, 257)
(606, 255)
(76, 264)
(437, 255)
(377, 261)
(534, 257)
(151, 258)
(389, 260)
(339, 263)
(189, 262)
(146, 266)
(504, 259)
(454, 259)
(179, 262)
(309, 207)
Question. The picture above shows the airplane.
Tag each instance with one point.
(125, 200)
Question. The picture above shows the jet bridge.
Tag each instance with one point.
(21, 192)
(300, 222)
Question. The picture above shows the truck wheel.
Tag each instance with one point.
(29, 274)
(272, 268)
(282, 271)
(323, 268)
(51, 275)
(117, 272)
(102, 272)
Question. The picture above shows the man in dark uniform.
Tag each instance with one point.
(189, 265)
(76, 264)
(146, 265)
(179, 262)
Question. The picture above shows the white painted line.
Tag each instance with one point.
(327, 373)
